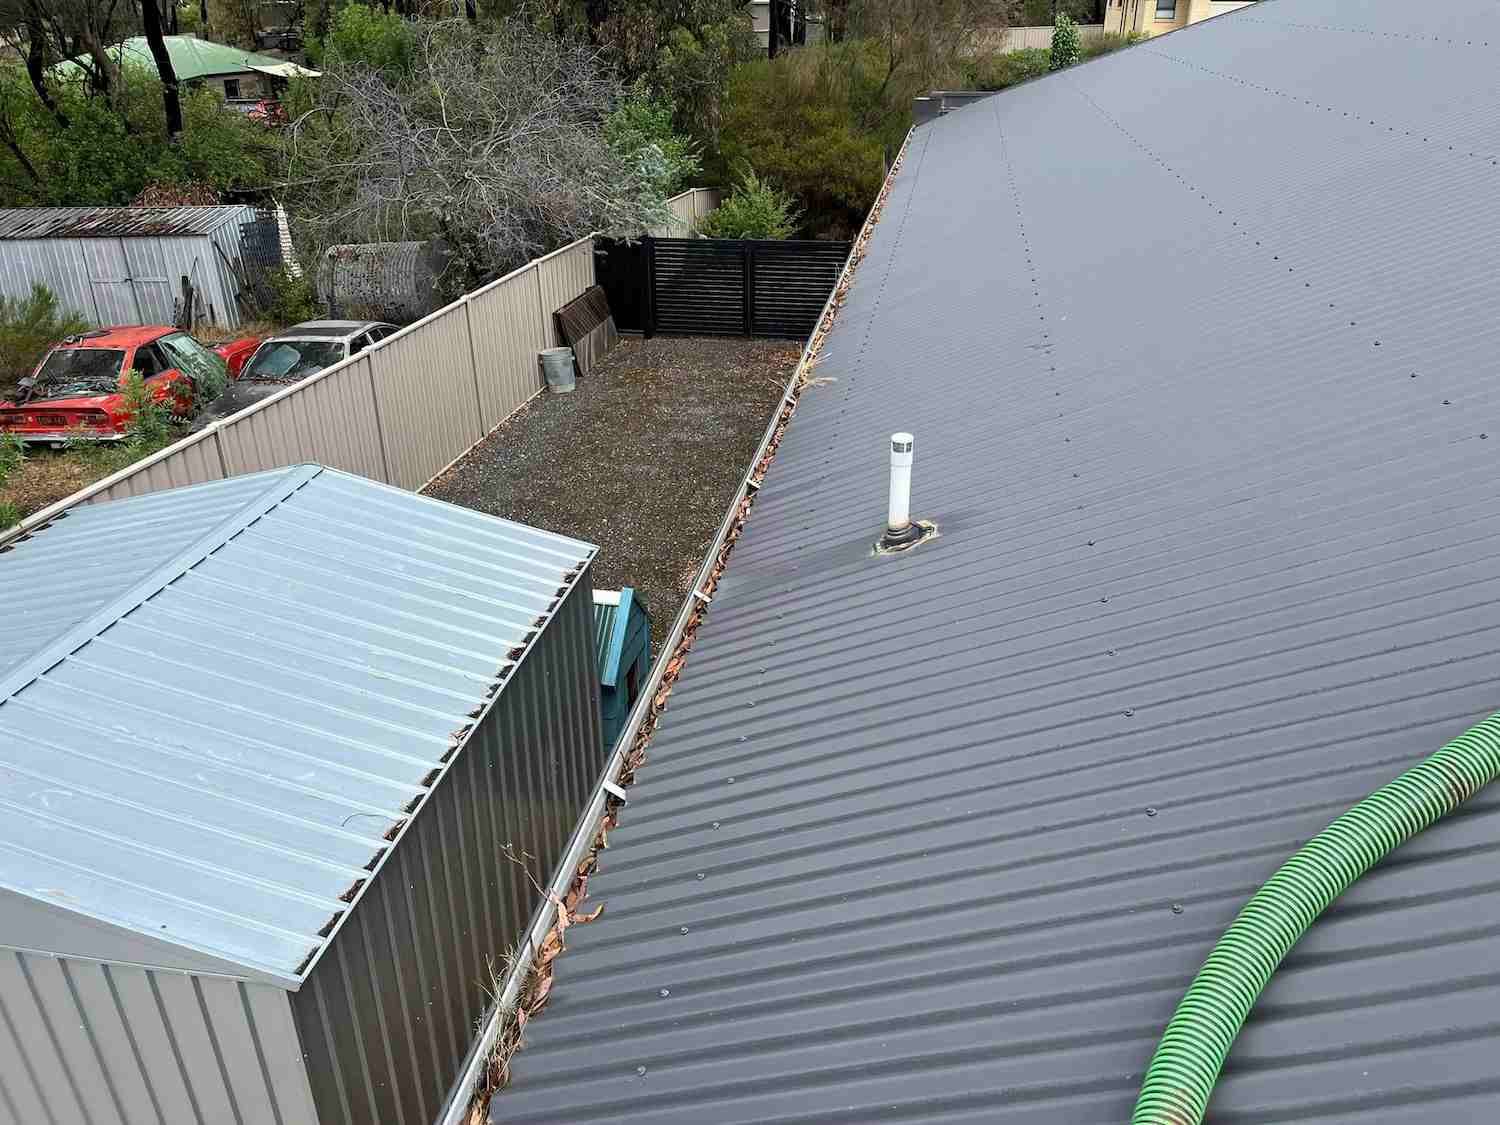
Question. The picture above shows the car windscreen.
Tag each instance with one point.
(79, 372)
(209, 372)
(283, 359)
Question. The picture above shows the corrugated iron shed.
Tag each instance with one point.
(115, 222)
(210, 750)
(1197, 341)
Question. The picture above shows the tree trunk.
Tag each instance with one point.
(773, 35)
(104, 66)
(151, 19)
(35, 58)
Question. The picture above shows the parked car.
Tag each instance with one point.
(76, 391)
(307, 348)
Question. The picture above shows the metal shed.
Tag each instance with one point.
(264, 746)
(125, 265)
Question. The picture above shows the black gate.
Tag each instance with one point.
(720, 286)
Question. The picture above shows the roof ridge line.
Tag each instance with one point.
(59, 649)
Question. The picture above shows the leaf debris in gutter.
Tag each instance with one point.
(537, 985)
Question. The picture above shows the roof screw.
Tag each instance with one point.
(701, 876)
(1447, 403)
(1129, 711)
(1103, 600)
(1109, 652)
(684, 928)
(640, 1071)
(664, 993)
(743, 738)
(1177, 908)
(716, 826)
(731, 781)
(1150, 812)
(1091, 542)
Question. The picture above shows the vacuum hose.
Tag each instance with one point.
(1197, 1040)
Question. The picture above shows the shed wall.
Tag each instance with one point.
(83, 1041)
(386, 1016)
(132, 280)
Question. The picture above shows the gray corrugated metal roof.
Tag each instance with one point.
(113, 222)
(210, 752)
(1198, 345)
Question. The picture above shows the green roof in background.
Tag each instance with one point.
(194, 58)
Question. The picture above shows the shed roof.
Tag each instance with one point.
(1198, 344)
(114, 222)
(204, 756)
(194, 58)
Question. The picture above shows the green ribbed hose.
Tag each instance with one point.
(1197, 1040)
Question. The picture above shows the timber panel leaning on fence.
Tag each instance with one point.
(399, 412)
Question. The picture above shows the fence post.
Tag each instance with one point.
(747, 259)
(541, 306)
(385, 459)
(473, 362)
(219, 448)
(648, 256)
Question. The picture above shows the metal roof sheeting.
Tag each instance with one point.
(1197, 341)
(17, 223)
(212, 753)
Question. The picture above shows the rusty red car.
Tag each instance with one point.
(76, 391)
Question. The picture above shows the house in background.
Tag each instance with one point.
(622, 633)
(798, 26)
(243, 77)
(1153, 17)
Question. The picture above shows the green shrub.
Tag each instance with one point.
(381, 40)
(1066, 49)
(1107, 43)
(813, 122)
(150, 423)
(12, 453)
(107, 153)
(997, 72)
(28, 326)
(754, 209)
(640, 129)
(293, 299)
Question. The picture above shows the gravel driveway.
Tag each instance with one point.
(641, 459)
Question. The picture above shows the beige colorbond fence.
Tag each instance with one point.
(1022, 38)
(687, 209)
(399, 412)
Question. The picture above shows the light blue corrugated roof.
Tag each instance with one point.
(255, 683)
(93, 552)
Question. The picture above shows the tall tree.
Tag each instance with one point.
(155, 39)
(36, 59)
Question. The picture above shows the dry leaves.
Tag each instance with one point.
(539, 981)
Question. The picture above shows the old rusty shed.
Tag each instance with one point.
(264, 746)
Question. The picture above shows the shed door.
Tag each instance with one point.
(109, 278)
(146, 259)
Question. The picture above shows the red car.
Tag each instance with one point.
(76, 389)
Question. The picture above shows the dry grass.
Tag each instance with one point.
(47, 476)
(538, 984)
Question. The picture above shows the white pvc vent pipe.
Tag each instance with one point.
(898, 517)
